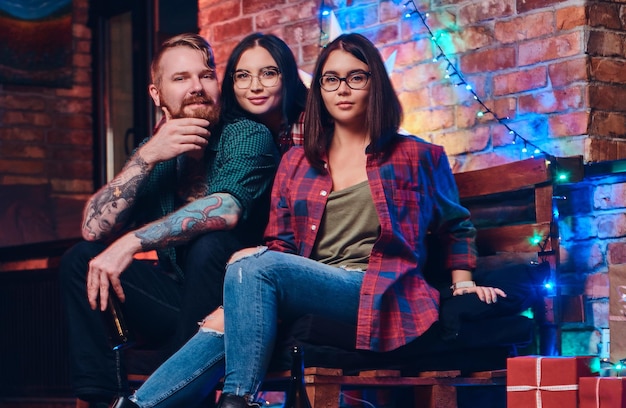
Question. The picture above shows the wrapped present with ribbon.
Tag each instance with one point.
(602, 392)
(545, 382)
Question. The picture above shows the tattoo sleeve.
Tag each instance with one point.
(106, 211)
(215, 212)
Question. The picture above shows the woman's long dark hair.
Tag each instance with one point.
(384, 112)
(293, 91)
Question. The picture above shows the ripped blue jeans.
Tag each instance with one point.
(259, 290)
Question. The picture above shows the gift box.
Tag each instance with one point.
(545, 382)
(602, 392)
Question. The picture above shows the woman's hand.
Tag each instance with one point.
(486, 294)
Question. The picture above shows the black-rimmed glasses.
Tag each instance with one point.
(268, 77)
(356, 80)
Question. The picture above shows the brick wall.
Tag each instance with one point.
(46, 149)
(45, 132)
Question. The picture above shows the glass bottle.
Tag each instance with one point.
(119, 336)
(296, 395)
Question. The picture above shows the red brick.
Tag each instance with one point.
(608, 70)
(428, 120)
(485, 10)
(64, 105)
(21, 151)
(420, 76)
(520, 81)
(464, 141)
(611, 124)
(218, 13)
(255, 6)
(607, 97)
(501, 136)
(22, 102)
(555, 100)
(29, 134)
(611, 225)
(75, 137)
(23, 167)
(605, 15)
(26, 118)
(566, 72)
(413, 52)
(207, 3)
(490, 60)
(414, 100)
(530, 5)
(76, 91)
(466, 116)
(359, 17)
(617, 253)
(505, 108)
(82, 61)
(72, 152)
(610, 196)
(84, 187)
(524, 27)
(597, 285)
(309, 54)
(411, 28)
(484, 160)
(233, 29)
(382, 34)
(605, 43)
(443, 94)
(569, 124)
(69, 169)
(73, 121)
(389, 11)
(571, 17)
(600, 149)
(308, 33)
(552, 48)
(474, 37)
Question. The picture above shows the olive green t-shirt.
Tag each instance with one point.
(349, 228)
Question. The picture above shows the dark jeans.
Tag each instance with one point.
(159, 310)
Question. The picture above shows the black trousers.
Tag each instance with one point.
(158, 309)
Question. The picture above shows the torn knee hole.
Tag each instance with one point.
(214, 321)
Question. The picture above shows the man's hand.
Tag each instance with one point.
(176, 137)
(105, 270)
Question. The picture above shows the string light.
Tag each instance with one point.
(452, 71)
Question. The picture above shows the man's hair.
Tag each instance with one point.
(293, 91)
(191, 40)
(384, 111)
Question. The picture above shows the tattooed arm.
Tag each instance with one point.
(215, 212)
(105, 211)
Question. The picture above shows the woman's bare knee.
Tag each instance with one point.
(214, 321)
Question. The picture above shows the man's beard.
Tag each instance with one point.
(209, 109)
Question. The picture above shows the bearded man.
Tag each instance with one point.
(195, 191)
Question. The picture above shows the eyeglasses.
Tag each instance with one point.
(268, 77)
(356, 80)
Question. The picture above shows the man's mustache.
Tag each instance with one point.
(200, 100)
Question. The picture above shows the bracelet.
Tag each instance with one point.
(463, 284)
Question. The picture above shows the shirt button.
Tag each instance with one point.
(313, 227)
(323, 193)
